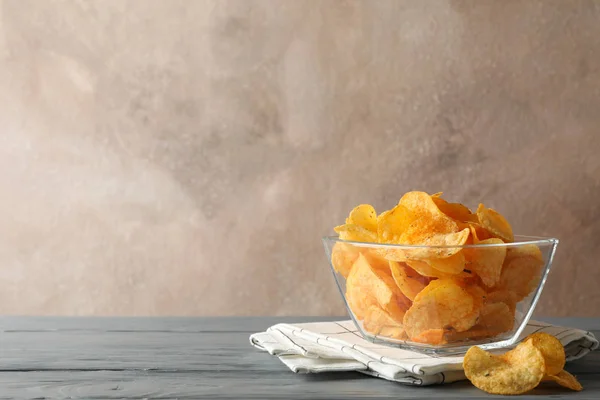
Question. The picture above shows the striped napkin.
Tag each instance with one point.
(338, 346)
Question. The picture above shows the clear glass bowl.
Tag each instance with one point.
(402, 296)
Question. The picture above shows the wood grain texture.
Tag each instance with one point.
(185, 358)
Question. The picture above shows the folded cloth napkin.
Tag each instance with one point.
(338, 346)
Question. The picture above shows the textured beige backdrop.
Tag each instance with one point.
(185, 157)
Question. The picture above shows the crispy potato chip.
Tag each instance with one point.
(493, 320)
(425, 269)
(496, 317)
(391, 224)
(478, 232)
(369, 286)
(375, 259)
(407, 279)
(552, 350)
(365, 216)
(486, 262)
(431, 336)
(521, 270)
(495, 223)
(450, 265)
(514, 372)
(422, 235)
(443, 304)
(503, 296)
(355, 233)
(429, 226)
(456, 211)
(564, 378)
(343, 256)
(379, 322)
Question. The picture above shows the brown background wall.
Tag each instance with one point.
(185, 157)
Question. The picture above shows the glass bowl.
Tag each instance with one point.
(407, 296)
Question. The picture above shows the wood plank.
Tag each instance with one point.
(192, 358)
(237, 385)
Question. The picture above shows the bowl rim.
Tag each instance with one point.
(523, 240)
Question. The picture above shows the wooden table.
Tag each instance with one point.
(197, 358)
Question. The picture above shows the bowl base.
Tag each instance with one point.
(451, 349)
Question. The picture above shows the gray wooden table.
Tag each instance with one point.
(106, 358)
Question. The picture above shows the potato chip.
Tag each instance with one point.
(343, 256)
(514, 372)
(503, 296)
(450, 265)
(430, 227)
(392, 224)
(478, 232)
(425, 269)
(368, 286)
(379, 322)
(355, 233)
(496, 317)
(443, 304)
(564, 378)
(431, 336)
(364, 216)
(521, 270)
(456, 211)
(407, 279)
(495, 223)
(375, 259)
(442, 244)
(486, 262)
(552, 350)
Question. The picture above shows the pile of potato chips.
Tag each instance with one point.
(540, 357)
(436, 291)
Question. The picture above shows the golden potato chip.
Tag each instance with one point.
(495, 223)
(365, 216)
(478, 232)
(523, 251)
(367, 286)
(390, 226)
(379, 322)
(425, 269)
(521, 270)
(430, 227)
(443, 245)
(376, 260)
(343, 256)
(355, 233)
(392, 223)
(431, 336)
(407, 279)
(450, 265)
(486, 262)
(503, 296)
(496, 317)
(564, 378)
(455, 211)
(552, 350)
(443, 304)
(514, 372)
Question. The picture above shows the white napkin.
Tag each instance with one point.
(338, 346)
